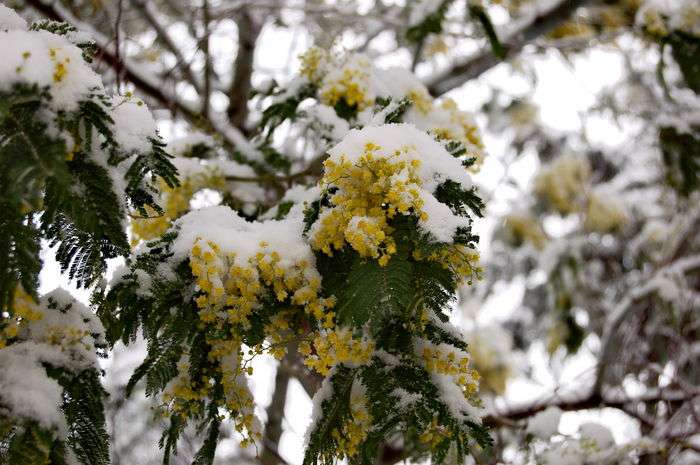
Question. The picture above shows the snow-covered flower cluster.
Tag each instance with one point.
(660, 18)
(196, 175)
(54, 69)
(524, 228)
(351, 87)
(593, 444)
(562, 183)
(605, 212)
(45, 346)
(491, 349)
(379, 173)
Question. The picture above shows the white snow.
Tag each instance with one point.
(47, 60)
(9, 19)
(234, 234)
(422, 9)
(545, 423)
(133, 124)
(25, 389)
(63, 337)
(436, 166)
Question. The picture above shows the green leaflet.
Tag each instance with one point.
(372, 291)
(29, 444)
(26, 443)
(322, 445)
(80, 211)
(685, 49)
(431, 24)
(681, 156)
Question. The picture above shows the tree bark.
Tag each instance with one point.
(239, 92)
(481, 62)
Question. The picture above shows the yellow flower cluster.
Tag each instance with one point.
(60, 70)
(356, 428)
(436, 45)
(569, 29)
(175, 201)
(313, 64)
(654, 23)
(686, 17)
(24, 310)
(421, 100)
(333, 347)
(67, 337)
(493, 368)
(278, 331)
(469, 133)
(435, 433)
(562, 183)
(458, 258)
(604, 215)
(439, 359)
(525, 228)
(184, 395)
(350, 82)
(232, 289)
(239, 399)
(370, 193)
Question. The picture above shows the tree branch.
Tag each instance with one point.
(481, 62)
(239, 92)
(275, 414)
(231, 138)
(146, 10)
(625, 307)
(591, 401)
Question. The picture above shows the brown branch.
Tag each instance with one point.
(206, 106)
(144, 7)
(591, 401)
(275, 415)
(239, 92)
(478, 64)
(230, 137)
(626, 306)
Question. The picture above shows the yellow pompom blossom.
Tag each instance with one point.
(351, 82)
(355, 429)
(654, 23)
(444, 359)
(557, 334)
(371, 192)
(60, 69)
(421, 100)
(568, 29)
(24, 310)
(278, 332)
(232, 288)
(522, 114)
(689, 18)
(313, 64)
(604, 215)
(490, 349)
(660, 20)
(562, 183)
(334, 346)
(525, 228)
(434, 434)
(460, 259)
(175, 201)
(436, 45)
(185, 396)
(468, 132)
(613, 17)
